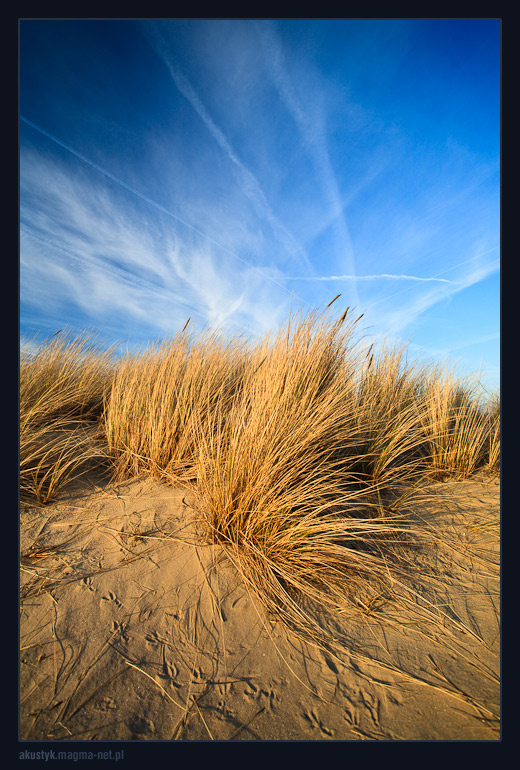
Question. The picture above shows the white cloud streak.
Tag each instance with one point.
(249, 184)
(478, 274)
(382, 276)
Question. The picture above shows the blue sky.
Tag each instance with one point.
(224, 169)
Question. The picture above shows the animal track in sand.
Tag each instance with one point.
(316, 723)
(86, 582)
(152, 639)
(372, 705)
(269, 699)
(141, 725)
(198, 675)
(170, 672)
(106, 704)
(224, 712)
(351, 717)
(112, 598)
(359, 700)
(117, 627)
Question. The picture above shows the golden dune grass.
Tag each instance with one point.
(462, 433)
(305, 451)
(306, 479)
(157, 395)
(62, 388)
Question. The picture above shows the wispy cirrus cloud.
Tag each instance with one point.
(93, 256)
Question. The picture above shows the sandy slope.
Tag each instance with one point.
(130, 629)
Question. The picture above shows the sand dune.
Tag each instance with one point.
(130, 629)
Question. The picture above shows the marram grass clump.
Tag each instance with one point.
(305, 452)
(309, 478)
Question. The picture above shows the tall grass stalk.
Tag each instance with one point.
(72, 375)
(394, 451)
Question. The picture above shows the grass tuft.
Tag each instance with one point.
(62, 389)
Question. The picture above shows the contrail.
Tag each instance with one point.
(312, 135)
(250, 185)
(471, 259)
(155, 204)
(441, 272)
(364, 278)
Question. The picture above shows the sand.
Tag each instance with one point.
(131, 630)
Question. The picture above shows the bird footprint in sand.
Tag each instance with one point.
(111, 597)
(315, 722)
(87, 583)
(152, 638)
(170, 672)
(266, 698)
(118, 628)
